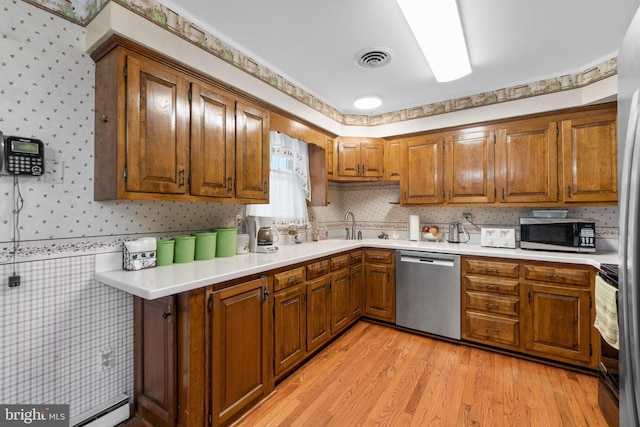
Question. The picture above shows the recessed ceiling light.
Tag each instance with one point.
(367, 102)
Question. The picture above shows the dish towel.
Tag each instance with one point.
(607, 312)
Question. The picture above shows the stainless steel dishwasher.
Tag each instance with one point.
(428, 292)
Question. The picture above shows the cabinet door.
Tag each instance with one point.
(372, 158)
(557, 322)
(348, 151)
(252, 152)
(340, 309)
(318, 313)
(356, 299)
(290, 328)
(469, 168)
(239, 348)
(393, 161)
(590, 159)
(212, 142)
(329, 147)
(157, 124)
(527, 162)
(422, 176)
(155, 360)
(380, 292)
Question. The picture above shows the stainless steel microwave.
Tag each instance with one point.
(558, 234)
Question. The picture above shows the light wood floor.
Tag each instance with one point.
(375, 375)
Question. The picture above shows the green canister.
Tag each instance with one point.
(205, 245)
(226, 242)
(164, 251)
(184, 249)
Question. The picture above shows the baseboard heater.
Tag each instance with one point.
(108, 414)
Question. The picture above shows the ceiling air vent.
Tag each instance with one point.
(374, 57)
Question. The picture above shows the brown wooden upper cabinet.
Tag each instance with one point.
(392, 167)
(527, 162)
(161, 132)
(359, 159)
(590, 158)
(469, 167)
(559, 158)
(422, 160)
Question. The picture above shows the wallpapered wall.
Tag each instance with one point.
(57, 324)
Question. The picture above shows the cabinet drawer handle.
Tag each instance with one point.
(492, 286)
(230, 184)
(497, 331)
(558, 276)
(489, 305)
(293, 279)
(490, 269)
(182, 178)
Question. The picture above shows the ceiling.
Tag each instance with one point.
(313, 44)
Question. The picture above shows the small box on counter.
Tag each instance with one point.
(139, 254)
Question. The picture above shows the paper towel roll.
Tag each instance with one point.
(414, 227)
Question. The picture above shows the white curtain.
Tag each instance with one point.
(290, 186)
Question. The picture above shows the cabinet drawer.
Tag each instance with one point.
(492, 284)
(575, 276)
(378, 256)
(338, 262)
(497, 329)
(317, 269)
(355, 257)
(494, 268)
(493, 303)
(288, 278)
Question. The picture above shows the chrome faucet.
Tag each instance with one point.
(353, 225)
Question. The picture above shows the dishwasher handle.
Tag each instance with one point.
(427, 260)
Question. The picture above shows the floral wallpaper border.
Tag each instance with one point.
(83, 11)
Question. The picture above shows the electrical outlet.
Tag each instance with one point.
(467, 217)
(106, 359)
(14, 281)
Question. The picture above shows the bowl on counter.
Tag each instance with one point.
(430, 237)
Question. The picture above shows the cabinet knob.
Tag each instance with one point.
(168, 315)
(104, 118)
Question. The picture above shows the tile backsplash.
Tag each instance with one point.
(59, 323)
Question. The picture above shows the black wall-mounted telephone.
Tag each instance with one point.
(21, 156)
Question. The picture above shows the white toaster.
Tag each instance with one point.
(498, 237)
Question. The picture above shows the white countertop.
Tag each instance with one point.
(172, 279)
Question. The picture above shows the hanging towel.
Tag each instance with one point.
(607, 312)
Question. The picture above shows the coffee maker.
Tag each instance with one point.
(262, 236)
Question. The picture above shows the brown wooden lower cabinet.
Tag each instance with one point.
(557, 322)
(290, 328)
(380, 284)
(206, 356)
(308, 313)
(155, 360)
(239, 347)
(541, 309)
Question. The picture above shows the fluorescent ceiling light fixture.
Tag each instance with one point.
(437, 28)
(367, 102)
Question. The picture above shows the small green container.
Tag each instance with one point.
(205, 245)
(185, 248)
(226, 242)
(164, 251)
